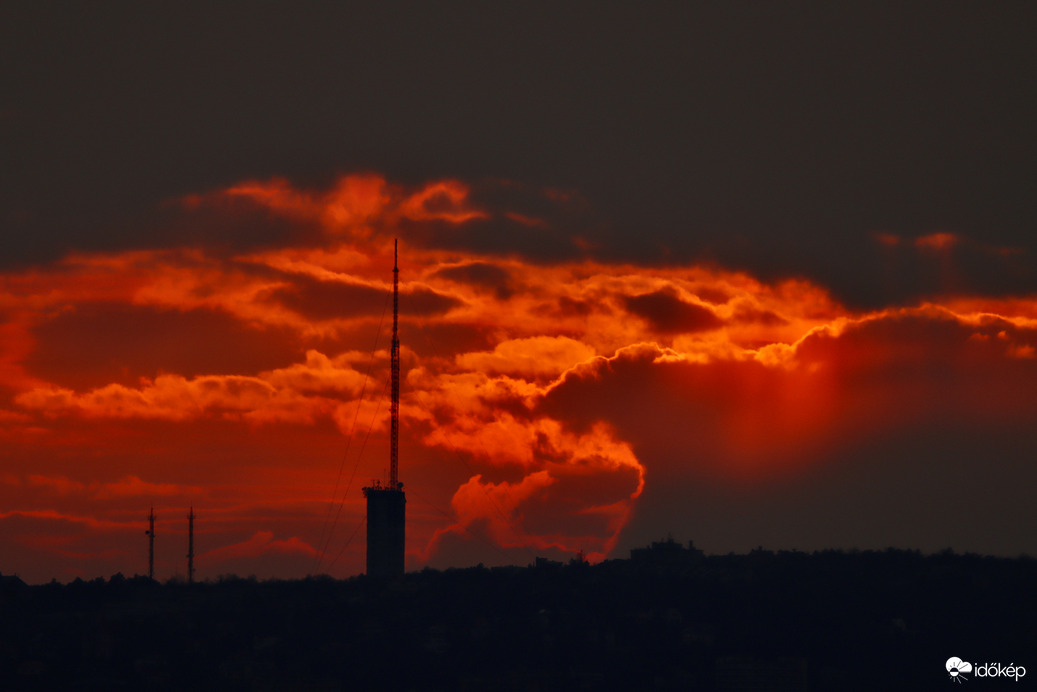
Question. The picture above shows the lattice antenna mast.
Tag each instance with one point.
(151, 543)
(394, 411)
(190, 546)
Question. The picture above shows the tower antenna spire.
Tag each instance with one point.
(151, 543)
(394, 411)
(190, 546)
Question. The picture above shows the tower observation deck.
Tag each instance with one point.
(387, 504)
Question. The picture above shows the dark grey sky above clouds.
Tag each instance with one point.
(775, 137)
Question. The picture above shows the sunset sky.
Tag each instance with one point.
(748, 274)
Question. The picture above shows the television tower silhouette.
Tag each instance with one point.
(151, 543)
(190, 546)
(387, 505)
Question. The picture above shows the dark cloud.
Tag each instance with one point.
(568, 307)
(712, 295)
(481, 274)
(98, 343)
(908, 432)
(234, 224)
(667, 313)
(771, 138)
(323, 300)
(496, 235)
(445, 340)
(764, 317)
(644, 398)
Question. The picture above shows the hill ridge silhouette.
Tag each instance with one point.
(761, 620)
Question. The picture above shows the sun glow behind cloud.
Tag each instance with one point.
(541, 400)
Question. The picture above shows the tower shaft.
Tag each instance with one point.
(387, 504)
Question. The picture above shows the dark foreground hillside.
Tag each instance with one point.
(667, 620)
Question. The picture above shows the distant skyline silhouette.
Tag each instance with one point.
(667, 618)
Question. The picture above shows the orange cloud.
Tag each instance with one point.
(496, 501)
(937, 241)
(542, 402)
(168, 396)
(56, 516)
(446, 201)
(297, 393)
(581, 486)
(354, 205)
(534, 357)
(130, 486)
(350, 206)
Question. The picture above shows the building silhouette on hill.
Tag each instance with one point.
(668, 552)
